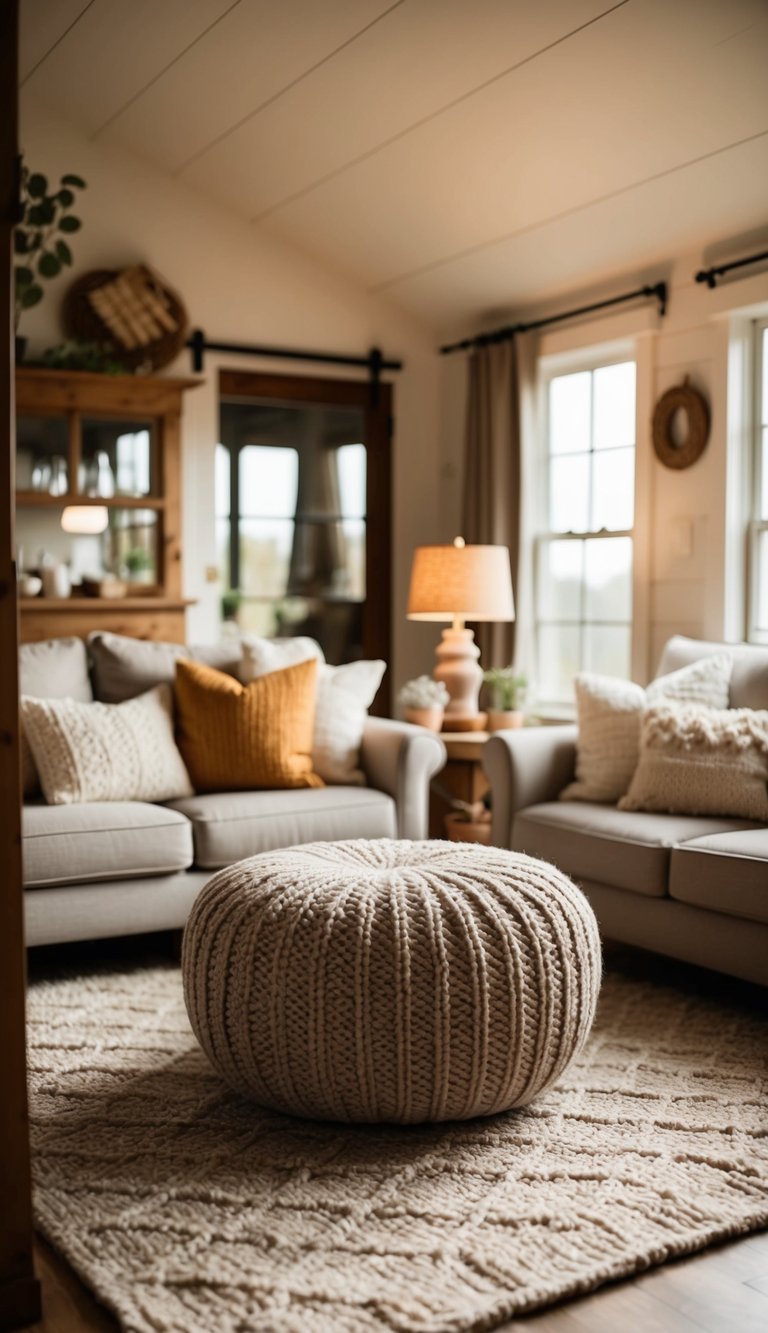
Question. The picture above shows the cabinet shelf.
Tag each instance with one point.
(104, 604)
(42, 500)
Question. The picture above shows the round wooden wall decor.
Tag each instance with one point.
(695, 409)
(131, 311)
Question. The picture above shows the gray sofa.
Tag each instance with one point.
(127, 867)
(692, 888)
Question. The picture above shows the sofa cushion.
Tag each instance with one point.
(228, 826)
(71, 844)
(749, 677)
(53, 669)
(626, 849)
(724, 872)
(124, 667)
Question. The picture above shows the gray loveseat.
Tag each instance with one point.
(692, 888)
(126, 867)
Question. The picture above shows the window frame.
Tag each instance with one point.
(757, 524)
(560, 366)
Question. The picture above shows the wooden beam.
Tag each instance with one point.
(19, 1290)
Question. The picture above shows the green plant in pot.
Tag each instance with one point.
(39, 243)
(508, 688)
(139, 565)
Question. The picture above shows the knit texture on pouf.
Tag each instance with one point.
(391, 980)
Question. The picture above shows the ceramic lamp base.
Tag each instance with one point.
(459, 669)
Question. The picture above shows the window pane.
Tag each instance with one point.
(352, 480)
(613, 490)
(569, 413)
(764, 413)
(222, 550)
(761, 575)
(222, 481)
(560, 575)
(258, 618)
(558, 662)
(265, 556)
(269, 481)
(569, 493)
(606, 649)
(354, 574)
(764, 475)
(608, 574)
(615, 406)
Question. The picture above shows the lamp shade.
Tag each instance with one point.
(85, 520)
(472, 582)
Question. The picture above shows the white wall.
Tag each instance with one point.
(689, 525)
(242, 285)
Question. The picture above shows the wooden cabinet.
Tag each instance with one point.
(104, 448)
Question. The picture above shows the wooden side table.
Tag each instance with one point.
(462, 777)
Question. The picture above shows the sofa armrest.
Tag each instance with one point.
(524, 768)
(402, 759)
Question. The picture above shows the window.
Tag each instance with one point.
(584, 552)
(757, 630)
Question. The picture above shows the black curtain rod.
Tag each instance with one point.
(711, 275)
(374, 362)
(658, 291)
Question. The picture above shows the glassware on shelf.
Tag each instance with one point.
(41, 474)
(59, 482)
(104, 476)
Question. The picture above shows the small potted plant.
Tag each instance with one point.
(507, 691)
(423, 702)
(139, 565)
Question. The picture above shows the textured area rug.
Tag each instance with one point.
(186, 1208)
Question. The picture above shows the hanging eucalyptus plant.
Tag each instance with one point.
(38, 240)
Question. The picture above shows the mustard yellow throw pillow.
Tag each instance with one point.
(236, 737)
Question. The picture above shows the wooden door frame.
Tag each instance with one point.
(376, 404)
(19, 1289)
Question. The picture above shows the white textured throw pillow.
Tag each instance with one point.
(106, 752)
(261, 656)
(702, 761)
(610, 712)
(344, 695)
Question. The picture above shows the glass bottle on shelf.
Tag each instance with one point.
(58, 483)
(105, 477)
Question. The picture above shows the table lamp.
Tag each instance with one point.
(459, 583)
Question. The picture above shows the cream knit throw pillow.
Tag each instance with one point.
(610, 712)
(702, 761)
(106, 752)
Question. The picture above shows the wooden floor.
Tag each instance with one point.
(722, 1290)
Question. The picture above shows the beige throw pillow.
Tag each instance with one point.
(610, 712)
(106, 752)
(702, 761)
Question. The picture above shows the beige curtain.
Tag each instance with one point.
(500, 375)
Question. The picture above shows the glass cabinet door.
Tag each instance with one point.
(117, 458)
(42, 454)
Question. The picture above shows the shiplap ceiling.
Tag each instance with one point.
(464, 157)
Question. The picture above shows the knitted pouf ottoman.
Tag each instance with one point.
(391, 981)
